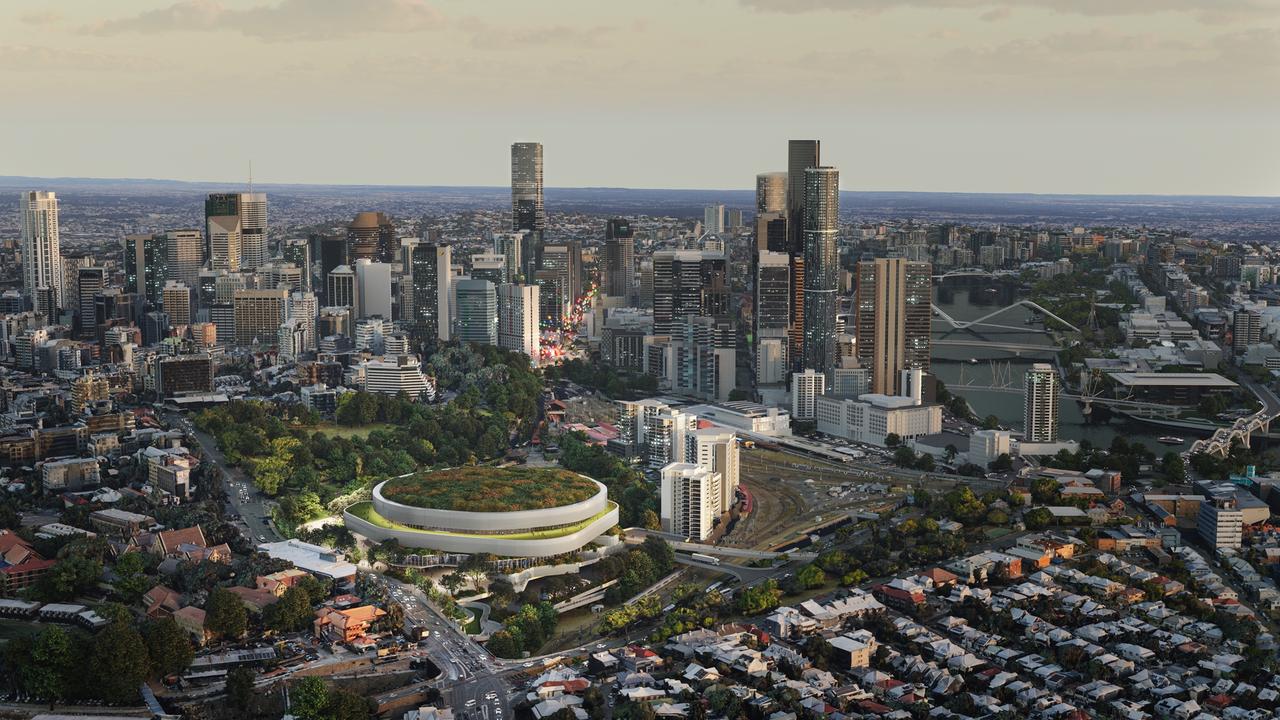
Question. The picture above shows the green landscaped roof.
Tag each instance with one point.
(479, 488)
(365, 511)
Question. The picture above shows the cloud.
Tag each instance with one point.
(41, 17)
(996, 14)
(1215, 11)
(283, 20)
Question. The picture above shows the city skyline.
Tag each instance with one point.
(981, 96)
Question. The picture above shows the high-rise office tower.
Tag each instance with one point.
(688, 282)
(432, 278)
(298, 252)
(772, 317)
(619, 259)
(178, 301)
(771, 193)
(41, 249)
(518, 319)
(371, 236)
(771, 232)
(713, 219)
(333, 254)
(145, 266)
(510, 245)
(1040, 404)
(185, 256)
(801, 155)
(342, 288)
(89, 282)
(477, 311)
(373, 289)
(489, 266)
(527, 212)
(893, 315)
(71, 266)
(821, 266)
(259, 314)
(236, 230)
(562, 263)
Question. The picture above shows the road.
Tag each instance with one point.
(243, 499)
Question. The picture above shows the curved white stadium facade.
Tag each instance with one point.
(543, 532)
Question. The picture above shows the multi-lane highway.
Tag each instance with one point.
(243, 499)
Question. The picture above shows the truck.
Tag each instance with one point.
(710, 560)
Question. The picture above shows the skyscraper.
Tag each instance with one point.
(432, 279)
(688, 282)
(562, 265)
(298, 252)
(342, 288)
(1040, 409)
(145, 266)
(801, 155)
(371, 236)
(892, 319)
(41, 250)
(373, 289)
(178, 302)
(89, 282)
(619, 260)
(772, 316)
(236, 230)
(713, 219)
(510, 246)
(518, 319)
(185, 256)
(258, 315)
(477, 311)
(771, 193)
(821, 266)
(527, 212)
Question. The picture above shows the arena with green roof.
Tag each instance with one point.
(511, 512)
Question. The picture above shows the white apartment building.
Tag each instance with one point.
(690, 500)
(716, 450)
(873, 416)
(394, 375)
(518, 319)
(806, 387)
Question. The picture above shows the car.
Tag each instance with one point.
(528, 665)
(262, 538)
(471, 702)
(600, 646)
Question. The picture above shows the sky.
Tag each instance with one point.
(1053, 96)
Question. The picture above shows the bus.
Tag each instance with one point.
(710, 560)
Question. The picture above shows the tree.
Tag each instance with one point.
(168, 647)
(54, 659)
(810, 577)
(892, 440)
(925, 462)
(1002, 463)
(309, 699)
(120, 663)
(346, 705)
(240, 688)
(1173, 467)
(991, 422)
(503, 644)
(131, 577)
(1037, 518)
(290, 613)
(1044, 490)
(950, 453)
(225, 615)
(70, 577)
(904, 457)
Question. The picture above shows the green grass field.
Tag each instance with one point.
(351, 432)
(488, 489)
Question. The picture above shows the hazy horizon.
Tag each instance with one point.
(1095, 97)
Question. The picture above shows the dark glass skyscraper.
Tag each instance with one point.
(145, 260)
(527, 212)
(619, 259)
(821, 266)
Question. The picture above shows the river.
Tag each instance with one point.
(971, 298)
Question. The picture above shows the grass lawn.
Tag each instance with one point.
(489, 489)
(15, 629)
(365, 511)
(351, 432)
(473, 625)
